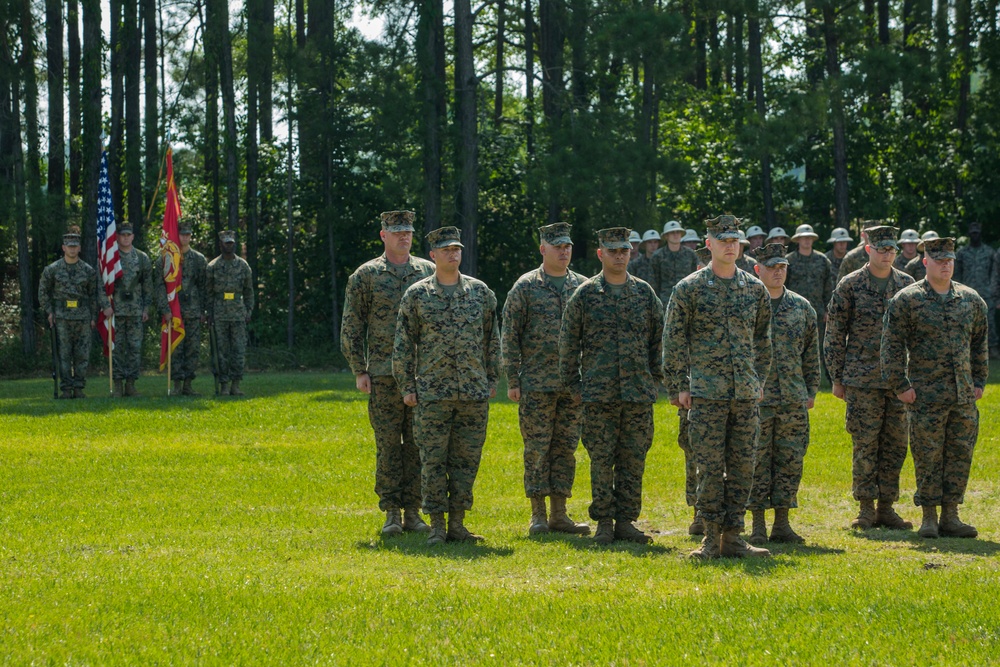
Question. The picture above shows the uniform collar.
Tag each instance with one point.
(628, 286)
(540, 278)
(461, 288)
(385, 266)
(952, 293)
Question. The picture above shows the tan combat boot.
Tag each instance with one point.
(886, 517)
(605, 531)
(781, 530)
(223, 389)
(697, 527)
(117, 392)
(539, 522)
(560, 521)
(759, 533)
(929, 526)
(235, 389)
(78, 393)
(393, 525)
(186, 390)
(866, 517)
(710, 545)
(412, 521)
(178, 388)
(457, 530)
(130, 389)
(439, 533)
(734, 547)
(626, 530)
(951, 526)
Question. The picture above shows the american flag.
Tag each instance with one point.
(108, 260)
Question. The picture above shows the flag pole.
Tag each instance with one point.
(170, 329)
(111, 356)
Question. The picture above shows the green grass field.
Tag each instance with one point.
(246, 531)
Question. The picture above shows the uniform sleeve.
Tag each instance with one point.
(657, 272)
(510, 336)
(762, 337)
(656, 338)
(810, 353)
(202, 285)
(96, 288)
(835, 342)
(404, 351)
(248, 291)
(828, 285)
(491, 340)
(148, 294)
(354, 324)
(675, 347)
(979, 352)
(959, 275)
(209, 291)
(160, 289)
(893, 350)
(45, 288)
(570, 336)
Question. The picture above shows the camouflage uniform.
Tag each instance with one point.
(549, 414)
(192, 295)
(642, 267)
(835, 263)
(230, 296)
(746, 263)
(609, 351)
(811, 277)
(855, 259)
(717, 345)
(447, 352)
(69, 293)
(937, 344)
(784, 418)
(875, 417)
(132, 298)
(669, 267)
(915, 268)
(367, 335)
(974, 267)
(901, 262)
(690, 466)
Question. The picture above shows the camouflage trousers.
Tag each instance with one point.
(397, 459)
(231, 348)
(877, 424)
(690, 468)
(781, 448)
(184, 361)
(450, 435)
(617, 437)
(127, 356)
(74, 353)
(942, 438)
(550, 428)
(723, 436)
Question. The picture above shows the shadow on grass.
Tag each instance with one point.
(783, 549)
(884, 535)
(618, 546)
(755, 567)
(957, 545)
(340, 396)
(416, 545)
(99, 403)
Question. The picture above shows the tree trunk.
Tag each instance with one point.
(254, 91)
(212, 168)
(16, 174)
(700, 46)
(739, 55)
(57, 133)
(942, 39)
(289, 193)
(529, 78)
(265, 100)
(73, 84)
(757, 86)
(431, 60)
(116, 142)
(133, 122)
(152, 159)
(715, 53)
(963, 34)
(498, 84)
(840, 191)
(553, 36)
(217, 16)
(466, 86)
(91, 108)
(32, 164)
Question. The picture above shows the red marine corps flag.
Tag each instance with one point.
(173, 326)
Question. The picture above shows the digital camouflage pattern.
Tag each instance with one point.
(550, 424)
(781, 450)
(74, 353)
(717, 337)
(746, 263)
(942, 438)
(642, 267)
(609, 346)
(230, 297)
(690, 467)
(876, 421)
(69, 293)
(447, 348)
(617, 436)
(835, 263)
(134, 294)
(974, 267)
(794, 374)
(915, 268)
(723, 436)
(450, 434)
(854, 329)
(812, 277)
(371, 308)
(397, 459)
(855, 259)
(669, 268)
(901, 261)
(192, 295)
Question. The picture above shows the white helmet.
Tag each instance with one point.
(672, 226)
(650, 235)
(690, 235)
(634, 237)
(803, 231)
(755, 231)
(909, 236)
(926, 236)
(775, 233)
(743, 237)
(840, 234)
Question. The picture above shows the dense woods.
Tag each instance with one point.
(293, 127)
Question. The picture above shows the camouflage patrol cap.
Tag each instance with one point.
(868, 224)
(72, 236)
(926, 236)
(556, 234)
(724, 227)
(443, 237)
(940, 248)
(227, 236)
(883, 236)
(704, 255)
(125, 228)
(614, 238)
(975, 227)
(398, 221)
(771, 254)
(185, 228)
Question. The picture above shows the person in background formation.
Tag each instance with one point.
(367, 336)
(915, 267)
(745, 261)
(974, 267)
(857, 257)
(838, 248)
(609, 355)
(68, 295)
(446, 361)
(908, 241)
(550, 415)
(935, 356)
(810, 274)
(192, 295)
(789, 394)
(875, 416)
(635, 240)
(777, 235)
(756, 236)
(134, 293)
(229, 288)
(642, 266)
(704, 255)
(716, 356)
(690, 240)
(671, 262)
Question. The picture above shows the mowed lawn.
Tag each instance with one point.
(245, 531)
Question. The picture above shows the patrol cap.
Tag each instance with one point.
(690, 235)
(776, 232)
(398, 221)
(614, 238)
(868, 224)
(743, 238)
(804, 231)
(909, 236)
(755, 230)
(704, 255)
(839, 234)
(184, 228)
(940, 248)
(227, 236)
(975, 227)
(634, 237)
(672, 226)
(926, 236)
(556, 234)
(771, 254)
(651, 235)
(723, 227)
(72, 236)
(883, 236)
(443, 237)
(125, 228)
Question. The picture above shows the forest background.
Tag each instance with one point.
(295, 127)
